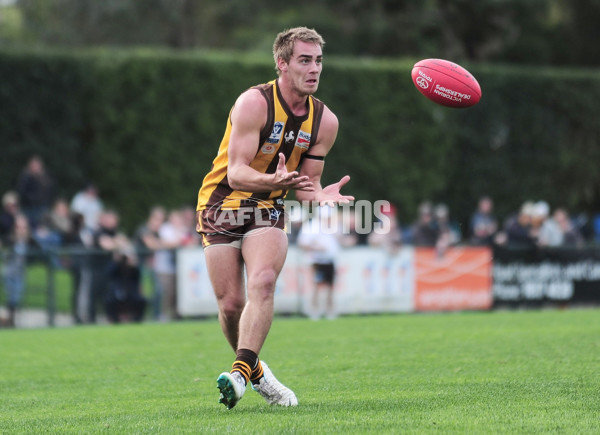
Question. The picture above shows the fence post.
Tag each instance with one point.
(50, 289)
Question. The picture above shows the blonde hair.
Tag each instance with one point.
(10, 197)
(283, 47)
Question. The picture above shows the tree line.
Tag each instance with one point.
(548, 32)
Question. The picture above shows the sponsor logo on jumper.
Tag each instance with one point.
(303, 140)
(276, 133)
(289, 137)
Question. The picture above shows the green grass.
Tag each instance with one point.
(36, 291)
(500, 372)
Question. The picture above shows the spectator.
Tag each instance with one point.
(77, 241)
(547, 229)
(59, 218)
(20, 243)
(570, 235)
(518, 230)
(539, 213)
(172, 235)
(188, 217)
(52, 228)
(596, 228)
(48, 241)
(319, 238)
(36, 191)
(107, 241)
(357, 234)
(125, 301)
(483, 223)
(148, 241)
(448, 232)
(424, 231)
(88, 203)
(391, 240)
(10, 209)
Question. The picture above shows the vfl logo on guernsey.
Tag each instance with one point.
(276, 133)
(303, 140)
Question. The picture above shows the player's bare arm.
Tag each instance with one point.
(248, 117)
(313, 169)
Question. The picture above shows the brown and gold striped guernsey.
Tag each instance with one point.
(283, 133)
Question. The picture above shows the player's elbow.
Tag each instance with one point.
(234, 184)
(234, 179)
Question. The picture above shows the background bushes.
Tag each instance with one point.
(145, 126)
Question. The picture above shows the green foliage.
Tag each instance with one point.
(503, 372)
(11, 23)
(43, 102)
(555, 32)
(145, 125)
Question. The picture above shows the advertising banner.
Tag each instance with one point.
(368, 280)
(546, 275)
(457, 279)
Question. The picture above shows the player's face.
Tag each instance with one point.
(304, 67)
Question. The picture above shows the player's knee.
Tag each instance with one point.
(231, 307)
(263, 281)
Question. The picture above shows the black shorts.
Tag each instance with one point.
(324, 273)
(229, 227)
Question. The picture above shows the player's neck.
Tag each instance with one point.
(294, 100)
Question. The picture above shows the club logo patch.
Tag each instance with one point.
(276, 133)
(289, 137)
(268, 148)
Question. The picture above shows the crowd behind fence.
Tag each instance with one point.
(371, 279)
(131, 277)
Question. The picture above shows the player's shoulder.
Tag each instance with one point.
(328, 115)
(250, 103)
(254, 95)
(329, 119)
(328, 129)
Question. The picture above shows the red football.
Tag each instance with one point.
(446, 83)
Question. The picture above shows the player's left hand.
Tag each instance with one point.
(330, 195)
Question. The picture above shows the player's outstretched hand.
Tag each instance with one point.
(330, 195)
(291, 180)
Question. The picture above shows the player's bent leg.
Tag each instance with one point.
(273, 391)
(225, 268)
(224, 263)
(264, 256)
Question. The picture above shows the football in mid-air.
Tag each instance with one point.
(446, 83)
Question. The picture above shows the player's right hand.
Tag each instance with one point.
(291, 180)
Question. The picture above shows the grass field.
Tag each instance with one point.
(499, 372)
